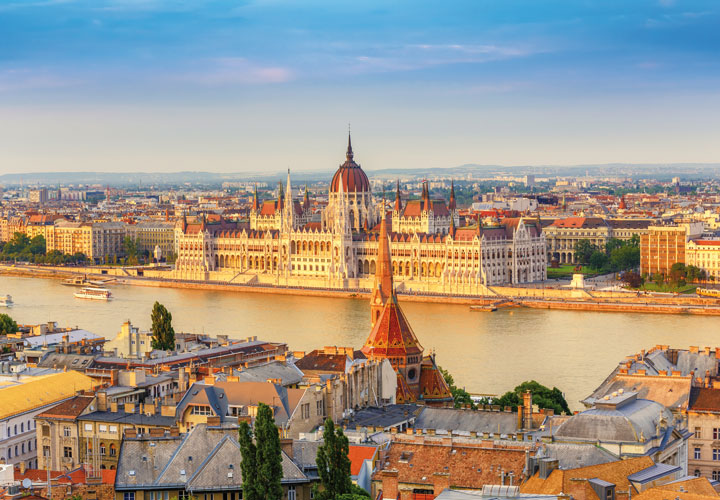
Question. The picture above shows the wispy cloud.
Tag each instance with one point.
(236, 71)
(28, 79)
(418, 56)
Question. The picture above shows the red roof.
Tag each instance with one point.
(358, 454)
(708, 243)
(392, 335)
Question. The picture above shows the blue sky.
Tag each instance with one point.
(149, 85)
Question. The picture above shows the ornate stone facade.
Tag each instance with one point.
(282, 245)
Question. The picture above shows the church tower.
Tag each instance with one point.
(391, 336)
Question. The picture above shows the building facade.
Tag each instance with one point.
(663, 246)
(283, 246)
(704, 254)
(57, 434)
(563, 234)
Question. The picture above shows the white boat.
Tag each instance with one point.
(6, 301)
(93, 293)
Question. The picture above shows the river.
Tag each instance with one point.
(485, 352)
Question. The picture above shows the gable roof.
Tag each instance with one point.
(205, 459)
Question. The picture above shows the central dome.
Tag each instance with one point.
(350, 174)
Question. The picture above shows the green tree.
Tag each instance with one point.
(584, 250)
(612, 244)
(625, 257)
(130, 249)
(7, 324)
(460, 396)
(598, 260)
(268, 456)
(248, 466)
(543, 396)
(162, 329)
(676, 276)
(37, 245)
(333, 464)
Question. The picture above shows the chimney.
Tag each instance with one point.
(210, 380)
(527, 407)
(390, 484)
(286, 445)
(441, 482)
(114, 406)
(129, 408)
(213, 421)
(22, 467)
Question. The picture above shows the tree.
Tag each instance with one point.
(676, 276)
(583, 250)
(262, 459)
(269, 456)
(632, 279)
(162, 329)
(460, 396)
(612, 244)
(543, 396)
(248, 466)
(333, 463)
(7, 324)
(598, 260)
(130, 249)
(37, 245)
(625, 257)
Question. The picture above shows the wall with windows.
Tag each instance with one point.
(704, 444)
(18, 442)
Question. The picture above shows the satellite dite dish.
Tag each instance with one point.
(26, 483)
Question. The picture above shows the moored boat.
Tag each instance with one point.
(93, 293)
(6, 301)
(76, 281)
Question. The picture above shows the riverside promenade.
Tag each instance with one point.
(547, 295)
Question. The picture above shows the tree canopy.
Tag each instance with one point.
(162, 329)
(262, 459)
(7, 324)
(333, 463)
(542, 396)
(460, 396)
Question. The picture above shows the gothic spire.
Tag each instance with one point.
(256, 203)
(452, 205)
(349, 154)
(398, 201)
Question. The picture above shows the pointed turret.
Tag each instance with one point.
(425, 196)
(383, 286)
(281, 197)
(256, 203)
(451, 230)
(349, 153)
(306, 199)
(398, 201)
(452, 205)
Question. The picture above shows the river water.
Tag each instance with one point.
(485, 352)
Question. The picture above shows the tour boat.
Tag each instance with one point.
(5, 301)
(93, 293)
(76, 281)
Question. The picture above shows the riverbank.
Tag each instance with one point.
(535, 297)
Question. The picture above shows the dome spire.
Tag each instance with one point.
(349, 154)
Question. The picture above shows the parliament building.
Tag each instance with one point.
(283, 245)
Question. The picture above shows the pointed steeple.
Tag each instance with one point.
(256, 203)
(398, 200)
(383, 287)
(306, 199)
(425, 196)
(452, 205)
(281, 197)
(349, 153)
(451, 231)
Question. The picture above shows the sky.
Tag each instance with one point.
(266, 85)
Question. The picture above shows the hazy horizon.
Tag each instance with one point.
(160, 86)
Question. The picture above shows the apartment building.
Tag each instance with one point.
(704, 254)
(663, 246)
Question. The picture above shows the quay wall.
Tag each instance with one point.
(532, 297)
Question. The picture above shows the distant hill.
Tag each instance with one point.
(686, 171)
